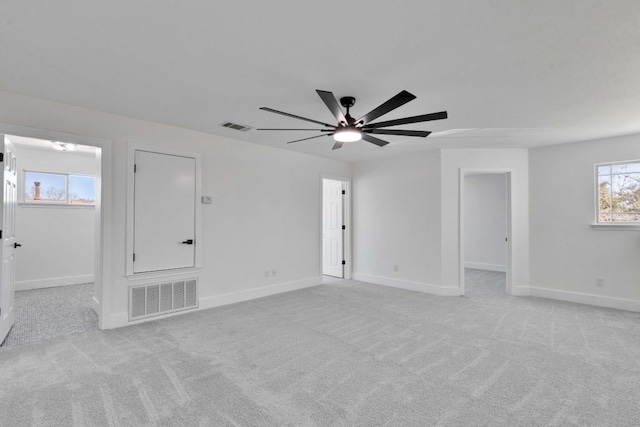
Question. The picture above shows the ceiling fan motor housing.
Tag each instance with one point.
(347, 101)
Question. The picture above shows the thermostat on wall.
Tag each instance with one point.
(206, 200)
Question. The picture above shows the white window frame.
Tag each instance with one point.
(609, 225)
(66, 203)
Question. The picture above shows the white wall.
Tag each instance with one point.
(266, 210)
(407, 212)
(396, 209)
(57, 242)
(513, 160)
(567, 254)
(485, 222)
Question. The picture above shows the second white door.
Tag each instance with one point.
(164, 212)
(332, 230)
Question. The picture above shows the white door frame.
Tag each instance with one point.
(102, 265)
(508, 173)
(346, 206)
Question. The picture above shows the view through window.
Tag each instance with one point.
(618, 192)
(43, 187)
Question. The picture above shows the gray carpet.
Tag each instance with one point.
(52, 312)
(484, 283)
(341, 354)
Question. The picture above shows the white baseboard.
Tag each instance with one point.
(590, 299)
(265, 291)
(122, 319)
(485, 266)
(50, 283)
(406, 284)
(520, 291)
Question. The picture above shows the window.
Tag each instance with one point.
(59, 188)
(618, 192)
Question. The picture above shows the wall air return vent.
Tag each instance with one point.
(162, 298)
(235, 126)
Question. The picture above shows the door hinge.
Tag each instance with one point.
(135, 168)
(1, 157)
(344, 262)
(134, 257)
(0, 234)
(506, 239)
(344, 191)
(344, 227)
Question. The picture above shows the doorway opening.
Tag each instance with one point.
(485, 233)
(54, 287)
(336, 228)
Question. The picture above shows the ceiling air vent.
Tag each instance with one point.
(235, 126)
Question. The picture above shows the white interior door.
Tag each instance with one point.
(332, 232)
(8, 238)
(164, 212)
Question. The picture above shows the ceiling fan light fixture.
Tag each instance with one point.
(63, 146)
(347, 134)
(56, 145)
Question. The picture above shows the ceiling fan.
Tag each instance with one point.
(349, 129)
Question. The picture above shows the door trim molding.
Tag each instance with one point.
(102, 265)
(508, 174)
(131, 153)
(346, 250)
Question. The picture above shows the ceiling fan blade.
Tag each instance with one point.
(337, 145)
(372, 139)
(332, 103)
(422, 133)
(271, 110)
(316, 130)
(311, 137)
(408, 120)
(393, 103)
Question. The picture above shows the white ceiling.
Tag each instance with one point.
(510, 73)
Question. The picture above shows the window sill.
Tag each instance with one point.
(618, 227)
(55, 205)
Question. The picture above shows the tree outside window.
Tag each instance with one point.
(55, 188)
(618, 192)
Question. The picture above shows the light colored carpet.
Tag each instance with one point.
(341, 354)
(52, 312)
(484, 283)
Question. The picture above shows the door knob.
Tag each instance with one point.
(17, 245)
(188, 242)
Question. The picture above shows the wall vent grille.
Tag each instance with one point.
(162, 298)
(235, 126)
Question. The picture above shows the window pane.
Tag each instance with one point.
(625, 193)
(82, 189)
(625, 217)
(604, 170)
(626, 168)
(44, 187)
(619, 192)
(604, 198)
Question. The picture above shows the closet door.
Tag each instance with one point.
(164, 212)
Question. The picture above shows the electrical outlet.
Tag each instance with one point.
(273, 272)
(395, 267)
(599, 282)
(266, 273)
